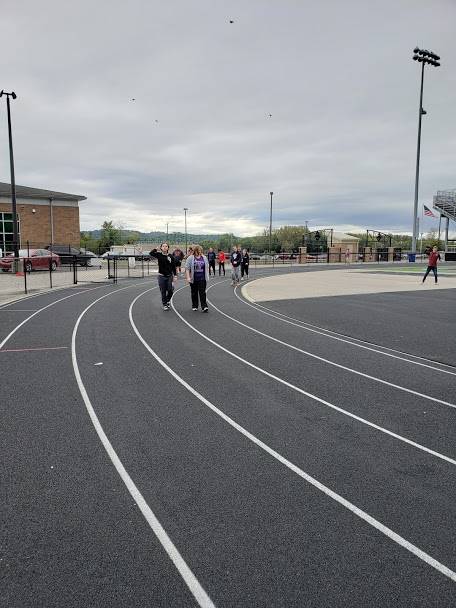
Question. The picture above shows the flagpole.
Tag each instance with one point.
(440, 224)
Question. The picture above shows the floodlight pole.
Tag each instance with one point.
(430, 58)
(417, 172)
(13, 180)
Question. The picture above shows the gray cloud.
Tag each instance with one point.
(338, 79)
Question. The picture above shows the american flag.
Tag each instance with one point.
(428, 212)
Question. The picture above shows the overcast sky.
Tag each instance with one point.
(337, 77)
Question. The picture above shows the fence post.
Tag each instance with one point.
(75, 272)
(25, 276)
(50, 270)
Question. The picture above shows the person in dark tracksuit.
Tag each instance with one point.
(434, 256)
(197, 274)
(245, 263)
(166, 273)
(211, 255)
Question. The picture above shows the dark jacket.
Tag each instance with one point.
(245, 259)
(211, 255)
(166, 263)
(236, 258)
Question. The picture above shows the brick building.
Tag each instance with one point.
(44, 217)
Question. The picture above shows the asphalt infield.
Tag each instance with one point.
(252, 530)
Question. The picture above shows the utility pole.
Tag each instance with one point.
(13, 180)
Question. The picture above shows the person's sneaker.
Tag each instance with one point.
(205, 309)
(165, 307)
(194, 308)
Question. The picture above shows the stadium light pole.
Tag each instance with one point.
(185, 215)
(430, 58)
(13, 180)
(270, 226)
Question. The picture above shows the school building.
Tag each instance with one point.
(44, 217)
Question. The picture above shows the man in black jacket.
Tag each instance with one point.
(166, 273)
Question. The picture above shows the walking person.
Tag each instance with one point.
(434, 256)
(166, 273)
(221, 262)
(236, 259)
(197, 273)
(211, 259)
(245, 263)
(178, 256)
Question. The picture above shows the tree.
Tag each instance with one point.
(109, 235)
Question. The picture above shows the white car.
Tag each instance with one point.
(94, 260)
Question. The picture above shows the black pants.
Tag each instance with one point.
(244, 270)
(222, 267)
(428, 270)
(166, 288)
(198, 288)
(212, 265)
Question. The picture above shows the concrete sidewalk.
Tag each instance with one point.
(337, 283)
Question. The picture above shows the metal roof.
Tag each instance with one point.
(26, 192)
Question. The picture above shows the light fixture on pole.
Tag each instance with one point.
(185, 215)
(13, 180)
(270, 226)
(430, 58)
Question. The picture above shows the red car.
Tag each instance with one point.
(34, 259)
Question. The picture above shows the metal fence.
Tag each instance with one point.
(42, 271)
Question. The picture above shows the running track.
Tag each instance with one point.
(239, 458)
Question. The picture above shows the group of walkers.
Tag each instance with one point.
(198, 269)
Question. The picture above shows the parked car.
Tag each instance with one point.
(255, 256)
(68, 254)
(267, 257)
(34, 259)
(282, 256)
(93, 260)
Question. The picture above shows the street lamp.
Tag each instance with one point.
(185, 213)
(13, 181)
(430, 58)
(270, 226)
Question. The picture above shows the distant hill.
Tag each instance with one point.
(152, 237)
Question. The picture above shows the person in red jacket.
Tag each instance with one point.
(434, 256)
(221, 261)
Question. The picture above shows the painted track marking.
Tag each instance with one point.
(425, 557)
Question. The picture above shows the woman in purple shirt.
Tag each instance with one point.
(197, 273)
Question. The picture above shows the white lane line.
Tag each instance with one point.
(353, 341)
(314, 482)
(18, 310)
(314, 397)
(2, 344)
(190, 579)
(344, 367)
(37, 295)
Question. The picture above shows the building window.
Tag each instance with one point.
(6, 232)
